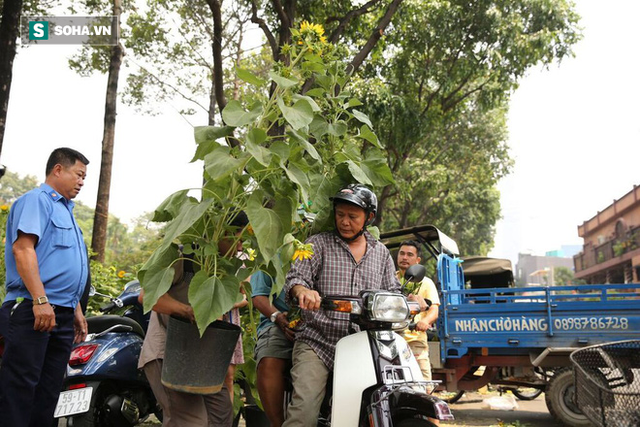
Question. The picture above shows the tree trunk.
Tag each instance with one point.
(9, 27)
(101, 218)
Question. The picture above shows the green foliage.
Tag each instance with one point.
(13, 186)
(562, 276)
(437, 97)
(108, 281)
(291, 150)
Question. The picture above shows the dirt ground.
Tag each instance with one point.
(469, 413)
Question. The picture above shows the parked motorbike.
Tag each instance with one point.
(103, 386)
(376, 379)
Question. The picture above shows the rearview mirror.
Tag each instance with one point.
(415, 273)
(92, 291)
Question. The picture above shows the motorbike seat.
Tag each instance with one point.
(98, 324)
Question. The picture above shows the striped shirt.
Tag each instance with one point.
(332, 270)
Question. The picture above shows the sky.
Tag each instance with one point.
(574, 133)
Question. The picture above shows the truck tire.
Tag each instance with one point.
(526, 393)
(559, 400)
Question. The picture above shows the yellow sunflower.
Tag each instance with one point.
(301, 254)
(302, 251)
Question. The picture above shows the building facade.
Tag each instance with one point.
(611, 250)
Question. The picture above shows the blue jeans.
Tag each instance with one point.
(33, 365)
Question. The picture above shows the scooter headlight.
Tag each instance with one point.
(388, 307)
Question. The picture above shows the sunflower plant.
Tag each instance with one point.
(279, 157)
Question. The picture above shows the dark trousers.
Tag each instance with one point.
(33, 365)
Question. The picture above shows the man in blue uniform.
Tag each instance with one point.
(47, 267)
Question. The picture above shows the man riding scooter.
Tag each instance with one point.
(344, 262)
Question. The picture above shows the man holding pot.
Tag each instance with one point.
(181, 409)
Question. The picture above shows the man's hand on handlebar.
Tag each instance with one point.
(307, 299)
(422, 326)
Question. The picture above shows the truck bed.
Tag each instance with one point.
(529, 320)
(517, 320)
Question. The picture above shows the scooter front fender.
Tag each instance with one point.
(402, 402)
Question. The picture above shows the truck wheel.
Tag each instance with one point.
(526, 393)
(559, 400)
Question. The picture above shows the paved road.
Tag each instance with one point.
(469, 413)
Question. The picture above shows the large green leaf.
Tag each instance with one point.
(284, 208)
(234, 115)
(296, 175)
(337, 128)
(249, 77)
(378, 171)
(220, 163)
(310, 100)
(305, 144)
(299, 115)
(169, 208)
(318, 126)
(280, 149)
(362, 117)
(282, 81)
(367, 134)
(157, 274)
(206, 138)
(190, 213)
(211, 297)
(161, 280)
(255, 137)
(211, 133)
(358, 173)
(317, 92)
(266, 225)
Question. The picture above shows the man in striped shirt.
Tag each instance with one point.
(344, 262)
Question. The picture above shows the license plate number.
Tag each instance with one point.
(73, 402)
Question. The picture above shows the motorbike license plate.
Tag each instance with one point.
(73, 402)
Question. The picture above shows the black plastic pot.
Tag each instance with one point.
(195, 364)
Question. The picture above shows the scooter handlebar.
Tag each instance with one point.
(108, 307)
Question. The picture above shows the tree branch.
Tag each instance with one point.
(169, 85)
(375, 36)
(344, 21)
(273, 44)
(218, 74)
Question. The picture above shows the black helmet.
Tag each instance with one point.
(359, 195)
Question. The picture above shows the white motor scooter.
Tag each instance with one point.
(376, 379)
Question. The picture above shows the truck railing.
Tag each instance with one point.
(545, 294)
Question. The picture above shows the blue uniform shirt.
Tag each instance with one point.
(61, 252)
(261, 285)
